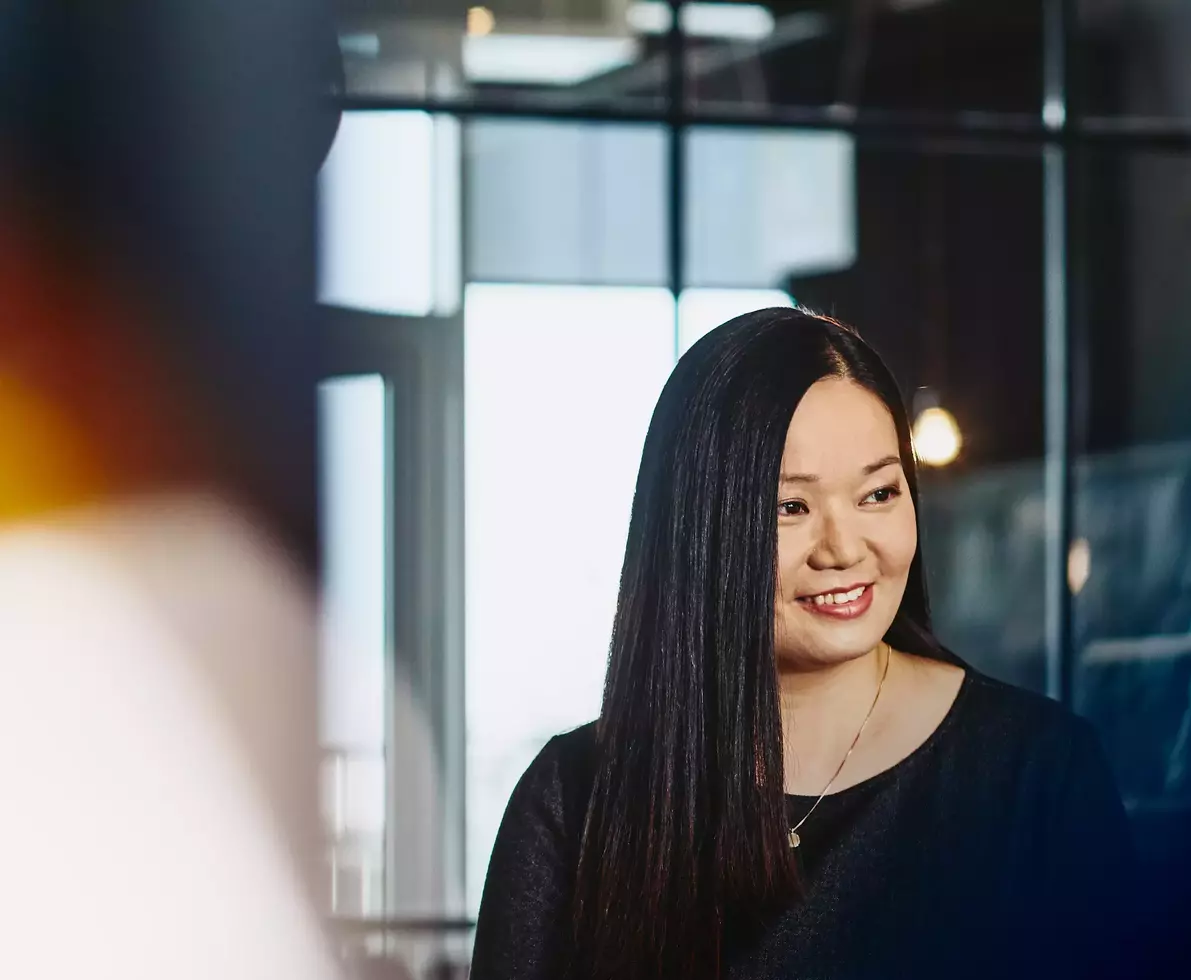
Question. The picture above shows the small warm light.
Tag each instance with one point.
(1079, 564)
(937, 440)
(480, 21)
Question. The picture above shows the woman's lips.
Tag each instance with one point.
(844, 604)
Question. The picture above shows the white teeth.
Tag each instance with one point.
(838, 598)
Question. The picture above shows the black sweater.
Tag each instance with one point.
(999, 848)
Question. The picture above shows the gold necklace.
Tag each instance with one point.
(795, 840)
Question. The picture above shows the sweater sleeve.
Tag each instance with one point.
(522, 926)
(1091, 874)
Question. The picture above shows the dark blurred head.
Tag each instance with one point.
(691, 719)
(157, 173)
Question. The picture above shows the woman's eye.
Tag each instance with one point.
(792, 508)
(883, 495)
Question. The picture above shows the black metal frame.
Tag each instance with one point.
(997, 132)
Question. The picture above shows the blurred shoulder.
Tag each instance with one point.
(172, 786)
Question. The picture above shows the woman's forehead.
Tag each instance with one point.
(839, 429)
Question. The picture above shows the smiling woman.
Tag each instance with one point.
(790, 776)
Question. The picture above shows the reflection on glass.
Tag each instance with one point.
(1131, 617)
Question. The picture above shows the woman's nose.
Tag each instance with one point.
(839, 544)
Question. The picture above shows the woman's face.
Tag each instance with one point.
(845, 527)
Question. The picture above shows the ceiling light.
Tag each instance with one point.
(937, 439)
(1079, 565)
(480, 21)
(729, 21)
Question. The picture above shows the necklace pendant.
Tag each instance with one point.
(795, 840)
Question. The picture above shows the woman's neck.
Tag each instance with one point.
(822, 710)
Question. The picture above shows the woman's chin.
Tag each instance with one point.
(813, 653)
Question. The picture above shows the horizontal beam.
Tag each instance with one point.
(983, 131)
(373, 927)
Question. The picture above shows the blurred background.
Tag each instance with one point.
(532, 207)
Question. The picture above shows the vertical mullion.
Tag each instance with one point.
(1057, 25)
(676, 159)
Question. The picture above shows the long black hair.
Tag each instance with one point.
(686, 828)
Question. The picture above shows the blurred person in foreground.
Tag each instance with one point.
(791, 777)
(157, 518)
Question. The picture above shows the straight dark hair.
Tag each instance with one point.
(686, 829)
